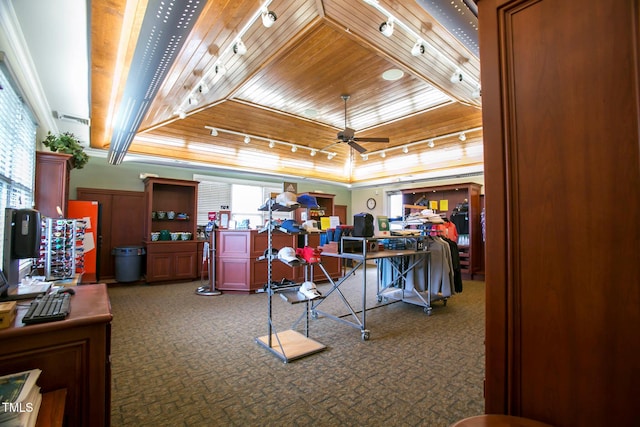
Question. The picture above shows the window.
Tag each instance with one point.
(242, 198)
(18, 147)
(395, 208)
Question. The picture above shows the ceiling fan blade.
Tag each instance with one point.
(371, 139)
(357, 147)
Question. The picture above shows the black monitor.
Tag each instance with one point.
(4, 285)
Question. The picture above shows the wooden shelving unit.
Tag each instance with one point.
(171, 260)
(471, 253)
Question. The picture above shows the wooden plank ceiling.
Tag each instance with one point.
(287, 90)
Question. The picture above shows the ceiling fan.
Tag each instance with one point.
(348, 135)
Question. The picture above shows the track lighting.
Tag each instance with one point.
(193, 100)
(431, 144)
(239, 48)
(418, 48)
(220, 70)
(383, 154)
(457, 76)
(247, 138)
(268, 17)
(405, 149)
(462, 137)
(203, 88)
(181, 114)
(386, 28)
(364, 156)
(477, 92)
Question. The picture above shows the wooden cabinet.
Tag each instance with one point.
(122, 223)
(52, 182)
(171, 260)
(560, 110)
(238, 268)
(73, 354)
(470, 242)
(324, 209)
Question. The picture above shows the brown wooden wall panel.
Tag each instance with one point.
(561, 115)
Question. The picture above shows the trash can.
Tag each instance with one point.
(128, 263)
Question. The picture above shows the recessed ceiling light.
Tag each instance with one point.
(310, 112)
(393, 74)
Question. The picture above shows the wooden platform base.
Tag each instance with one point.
(290, 345)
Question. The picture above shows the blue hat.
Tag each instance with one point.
(290, 226)
(308, 201)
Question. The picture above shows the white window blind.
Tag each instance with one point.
(242, 198)
(17, 145)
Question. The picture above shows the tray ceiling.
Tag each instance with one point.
(285, 91)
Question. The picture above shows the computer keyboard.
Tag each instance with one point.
(48, 308)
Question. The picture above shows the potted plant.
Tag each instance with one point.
(67, 143)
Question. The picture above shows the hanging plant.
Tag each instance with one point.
(67, 143)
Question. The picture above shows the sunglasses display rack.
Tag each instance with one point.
(61, 248)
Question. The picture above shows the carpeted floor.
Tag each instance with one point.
(180, 359)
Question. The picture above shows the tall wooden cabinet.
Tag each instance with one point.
(52, 182)
(171, 260)
(471, 247)
(561, 113)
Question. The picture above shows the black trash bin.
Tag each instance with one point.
(128, 263)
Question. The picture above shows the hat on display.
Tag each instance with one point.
(288, 255)
(310, 226)
(272, 251)
(309, 254)
(309, 290)
(435, 219)
(290, 226)
(307, 201)
(287, 199)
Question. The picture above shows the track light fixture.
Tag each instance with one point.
(418, 48)
(364, 156)
(383, 154)
(268, 17)
(386, 28)
(181, 113)
(405, 149)
(477, 92)
(430, 143)
(247, 138)
(457, 76)
(193, 100)
(239, 48)
(203, 88)
(236, 47)
(462, 137)
(220, 70)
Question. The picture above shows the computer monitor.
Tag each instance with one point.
(22, 234)
(4, 285)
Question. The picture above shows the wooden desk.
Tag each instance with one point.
(74, 354)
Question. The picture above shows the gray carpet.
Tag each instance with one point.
(180, 359)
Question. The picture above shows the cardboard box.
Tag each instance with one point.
(7, 313)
